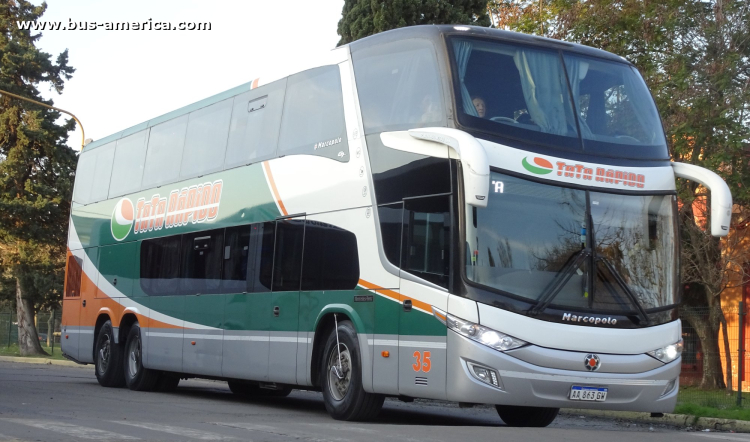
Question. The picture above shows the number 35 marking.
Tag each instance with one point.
(422, 362)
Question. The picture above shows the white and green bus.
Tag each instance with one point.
(442, 212)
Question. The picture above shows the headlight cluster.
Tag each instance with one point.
(483, 335)
(669, 353)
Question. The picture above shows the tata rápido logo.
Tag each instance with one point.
(195, 204)
(539, 166)
(122, 219)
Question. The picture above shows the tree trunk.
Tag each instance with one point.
(50, 327)
(708, 333)
(727, 350)
(28, 339)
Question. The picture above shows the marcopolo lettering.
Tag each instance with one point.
(600, 174)
(596, 320)
(195, 204)
(323, 144)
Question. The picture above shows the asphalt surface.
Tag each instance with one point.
(59, 403)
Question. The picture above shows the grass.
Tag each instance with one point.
(12, 350)
(712, 403)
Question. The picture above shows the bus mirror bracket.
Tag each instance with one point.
(476, 166)
(721, 197)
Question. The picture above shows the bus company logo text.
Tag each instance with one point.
(596, 320)
(195, 204)
(541, 166)
(323, 144)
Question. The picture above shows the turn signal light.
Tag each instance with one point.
(385, 353)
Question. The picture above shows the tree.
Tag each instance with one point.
(361, 18)
(36, 173)
(695, 58)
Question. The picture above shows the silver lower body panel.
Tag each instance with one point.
(525, 384)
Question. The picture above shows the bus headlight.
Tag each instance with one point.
(483, 335)
(669, 353)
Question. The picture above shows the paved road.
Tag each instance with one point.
(57, 403)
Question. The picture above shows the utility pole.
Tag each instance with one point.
(83, 136)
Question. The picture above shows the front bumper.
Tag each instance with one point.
(529, 385)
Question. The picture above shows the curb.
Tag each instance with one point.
(41, 361)
(680, 420)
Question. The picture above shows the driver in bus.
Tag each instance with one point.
(479, 106)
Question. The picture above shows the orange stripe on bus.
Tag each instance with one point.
(275, 191)
(254, 84)
(396, 296)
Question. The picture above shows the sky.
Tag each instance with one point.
(123, 78)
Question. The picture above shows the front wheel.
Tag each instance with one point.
(526, 416)
(341, 378)
(137, 377)
(108, 358)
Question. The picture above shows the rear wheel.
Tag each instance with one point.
(137, 377)
(526, 416)
(341, 378)
(108, 358)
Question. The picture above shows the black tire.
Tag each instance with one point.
(344, 396)
(167, 382)
(108, 358)
(253, 390)
(137, 377)
(526, 416)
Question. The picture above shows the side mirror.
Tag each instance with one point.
(721, 197)
(476, 166)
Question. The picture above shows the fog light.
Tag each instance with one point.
(485, 374)
(670, 387)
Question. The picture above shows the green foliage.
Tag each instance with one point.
(361, 18)
(36, 167)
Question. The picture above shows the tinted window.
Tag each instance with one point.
(73, 277)
(390, 228)
(164, 153)
(93, 173)
(426, 240)
(313, 119)
(330, 259)
(160, 266)
(201, 258)
(236, 259)
(130, 155)
(263, 239)
(254, 131)
(287, 263)
(399, 86)
(206, 139)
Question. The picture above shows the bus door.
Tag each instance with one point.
(284, 314)
(71, 305)
(425, 254)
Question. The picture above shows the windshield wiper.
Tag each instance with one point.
(624, 286)
(558, 282)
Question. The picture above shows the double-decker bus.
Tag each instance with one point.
(442, 212)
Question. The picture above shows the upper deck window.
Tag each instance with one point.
(399, 86)
(555, 99)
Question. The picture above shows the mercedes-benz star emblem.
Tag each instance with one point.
(592, 362)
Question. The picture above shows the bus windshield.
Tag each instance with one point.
(531, 234)
(559, 99)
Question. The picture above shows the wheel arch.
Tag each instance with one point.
(324, 323)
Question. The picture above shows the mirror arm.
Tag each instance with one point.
(721, 197)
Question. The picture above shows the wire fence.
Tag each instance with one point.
(47, 326)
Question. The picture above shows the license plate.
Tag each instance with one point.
(596, 394)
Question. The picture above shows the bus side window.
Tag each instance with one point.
(390, 228)
(206, 140)
(130, 157)
(313, 119)
(164, 155)
(236, 257)
(426, 238)
(287, 260)
(73, 277)
(201, 258)
(160, 266)
(254, 129)
(331, 260)
(259, 276)
(92, 175)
